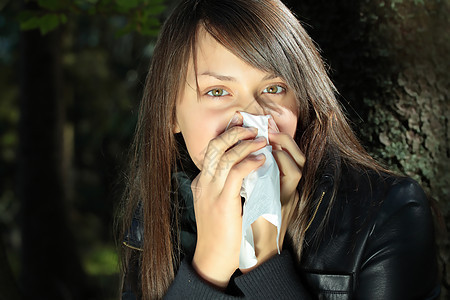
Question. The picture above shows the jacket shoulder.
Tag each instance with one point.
(399, 255)
(404, 196)
(389, 190)
(378, 237)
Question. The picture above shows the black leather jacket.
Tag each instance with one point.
(376, 242)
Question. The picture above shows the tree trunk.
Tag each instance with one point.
(390, 60)
(8, 286)
(50, 266)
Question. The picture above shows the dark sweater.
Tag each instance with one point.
(277, 278)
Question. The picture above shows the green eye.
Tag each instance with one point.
(217, 93)
(274, 89)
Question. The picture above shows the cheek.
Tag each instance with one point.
(197, 143)
(199, 128)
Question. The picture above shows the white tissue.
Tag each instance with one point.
(261, 190)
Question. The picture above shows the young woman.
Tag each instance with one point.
(350, 229)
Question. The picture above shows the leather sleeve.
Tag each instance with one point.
(274, 279)
(400, 258)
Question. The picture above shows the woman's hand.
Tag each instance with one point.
(290, 161)
(217, 202)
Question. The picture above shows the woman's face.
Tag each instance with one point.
(227, 84)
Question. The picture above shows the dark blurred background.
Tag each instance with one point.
(71, 77)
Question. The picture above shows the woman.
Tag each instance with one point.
(350, 229)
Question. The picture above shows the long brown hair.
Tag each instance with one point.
(266, 35)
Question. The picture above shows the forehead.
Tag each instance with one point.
(210, 56)
(206, 46)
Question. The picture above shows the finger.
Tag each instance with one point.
(236, 120)
(217, 147)
(291, 173)
(274, 128)
(287, 143)
(235, 155)
(238, 172)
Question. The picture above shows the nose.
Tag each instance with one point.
(253, 106)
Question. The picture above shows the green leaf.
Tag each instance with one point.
(87, 5)
(102, 260)
(150, 22)
(127, 4)
(157, 9)
(63, 18)
(150, 32)
(32, 22)
(51, 5)
(92, 10)
(25, 15)
(122, 32)
(48, 23)
(154, 2)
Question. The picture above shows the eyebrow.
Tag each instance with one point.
(229, 78)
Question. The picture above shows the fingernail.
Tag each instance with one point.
(260, 139)
(235, 118)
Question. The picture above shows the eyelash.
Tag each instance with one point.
(279, 86)
(210, 92)
(283, 89)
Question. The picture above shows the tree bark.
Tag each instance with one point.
(8, 286)
(390, 60)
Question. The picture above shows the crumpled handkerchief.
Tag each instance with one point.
(261, 190)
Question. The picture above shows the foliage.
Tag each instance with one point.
(105, 51)
(141, 15)
(102, 260)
